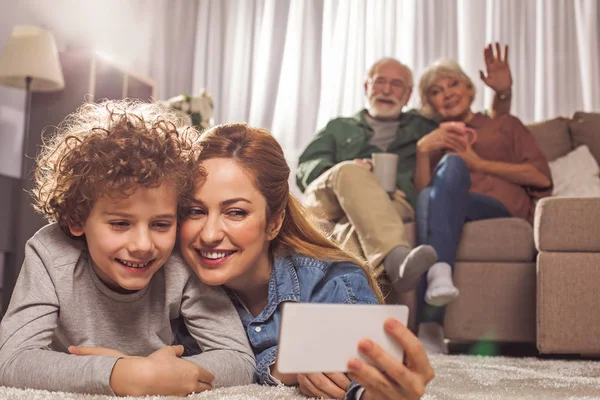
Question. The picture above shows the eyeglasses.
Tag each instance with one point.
(396, 84)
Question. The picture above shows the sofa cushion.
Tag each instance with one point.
(553, 137)
(567, 224)
(500, 239)
(567, 297)
(585, 129)
(496, 302)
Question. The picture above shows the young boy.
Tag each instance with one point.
(102, 273)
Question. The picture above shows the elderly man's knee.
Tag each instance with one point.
(348, 172)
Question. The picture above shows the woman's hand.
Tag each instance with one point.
(399, 382)
(472, 159)
(498, 71)
(440, 139)
(332, 385)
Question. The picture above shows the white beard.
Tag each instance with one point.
(388, 113)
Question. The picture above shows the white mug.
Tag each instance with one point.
(385, 168)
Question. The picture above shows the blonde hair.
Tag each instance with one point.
(389, 60)
(261, 156)
(437, 70)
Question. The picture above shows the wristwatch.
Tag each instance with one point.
(505, 95)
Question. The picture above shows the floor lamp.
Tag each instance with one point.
(29, 60)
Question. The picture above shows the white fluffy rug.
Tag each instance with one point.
(495, 378)
(457, 377)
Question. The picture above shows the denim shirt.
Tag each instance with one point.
(300, 279)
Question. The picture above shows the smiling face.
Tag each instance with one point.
(451, 98)
(129, 239)
(387, 91)
(225, 236)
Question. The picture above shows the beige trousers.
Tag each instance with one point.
(368, 221)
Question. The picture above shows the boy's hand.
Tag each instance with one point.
(98, 351)
(161, 373)
(332, 385)
(182, 376)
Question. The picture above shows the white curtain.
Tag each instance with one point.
(291, 65)
(170, 45)
(554, 49)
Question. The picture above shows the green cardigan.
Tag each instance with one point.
(348, 138)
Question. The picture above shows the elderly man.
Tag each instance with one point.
(336, 176)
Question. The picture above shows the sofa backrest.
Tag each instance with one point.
(558, 136)
(553, 137)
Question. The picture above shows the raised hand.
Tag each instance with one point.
(399, 382)
(498, 73)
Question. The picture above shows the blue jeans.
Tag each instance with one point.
(442, 209)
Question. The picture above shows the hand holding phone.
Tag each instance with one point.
(312, 336)
(399, 381)
(316, 337)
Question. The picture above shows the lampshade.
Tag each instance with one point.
(31, 51)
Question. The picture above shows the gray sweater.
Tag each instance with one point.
(59, 301)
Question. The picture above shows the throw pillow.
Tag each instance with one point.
(553, 137)
(576, 175)
(585, 128)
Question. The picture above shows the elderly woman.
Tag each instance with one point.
(498, 175)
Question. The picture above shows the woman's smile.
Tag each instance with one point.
(215, 257)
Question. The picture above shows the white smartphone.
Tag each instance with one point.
(317, 337)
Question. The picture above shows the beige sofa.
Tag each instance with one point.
(511, 293)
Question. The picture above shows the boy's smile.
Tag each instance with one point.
(130, 238)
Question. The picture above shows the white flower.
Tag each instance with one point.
(196, 111)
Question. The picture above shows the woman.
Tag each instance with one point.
(245, 231)
(500, 174)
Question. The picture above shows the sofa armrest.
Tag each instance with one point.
(567, 224)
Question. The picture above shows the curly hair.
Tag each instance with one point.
(111, 149)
